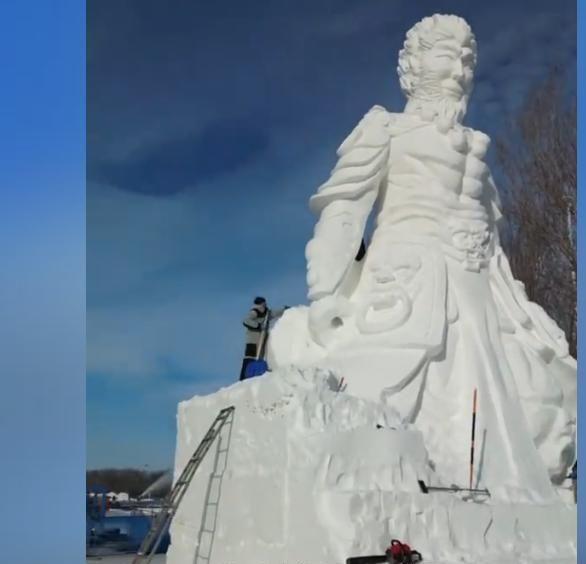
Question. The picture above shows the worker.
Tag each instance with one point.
(254, 323)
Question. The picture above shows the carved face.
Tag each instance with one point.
(437, 60)
(447, 70)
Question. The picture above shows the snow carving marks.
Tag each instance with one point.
(529, 320)
(318, 479)
(344, 203)
(272, 410)
(325, 482)
(391, 290)
(476, 171)
(404, 296)
(416, 58)
(331, 250)
(434, 282)
(469, 540)
(474, 239)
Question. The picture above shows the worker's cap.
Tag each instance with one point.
(259, 301)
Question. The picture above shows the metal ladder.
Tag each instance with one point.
(161, 522)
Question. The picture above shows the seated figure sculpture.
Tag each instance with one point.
(432, 311)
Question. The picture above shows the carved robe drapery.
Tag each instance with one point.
(434, 297)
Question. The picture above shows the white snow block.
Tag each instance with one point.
(305, 473)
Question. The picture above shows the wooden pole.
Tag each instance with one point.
(473, 433)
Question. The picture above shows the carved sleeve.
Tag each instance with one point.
(345, 201)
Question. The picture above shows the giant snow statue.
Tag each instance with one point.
(433, 310)
(371, 385)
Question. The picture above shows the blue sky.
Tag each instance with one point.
(209, 125)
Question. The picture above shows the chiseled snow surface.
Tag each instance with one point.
(303, 475)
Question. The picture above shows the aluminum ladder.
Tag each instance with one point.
(161, 522)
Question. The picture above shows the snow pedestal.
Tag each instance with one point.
(304, 473)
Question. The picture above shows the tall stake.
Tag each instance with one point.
(472, 441)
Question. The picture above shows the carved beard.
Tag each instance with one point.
(431, 102)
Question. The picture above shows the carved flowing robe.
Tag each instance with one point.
(434, 306)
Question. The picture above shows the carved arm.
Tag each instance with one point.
(344, 203)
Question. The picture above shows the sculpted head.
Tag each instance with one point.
(436, 64)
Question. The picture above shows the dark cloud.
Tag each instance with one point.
(157, 71)
(222, 147)
(514, 58)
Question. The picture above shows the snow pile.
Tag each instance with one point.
(307, 473)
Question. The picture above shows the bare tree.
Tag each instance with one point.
(538, 157)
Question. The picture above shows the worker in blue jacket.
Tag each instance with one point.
(254, 323)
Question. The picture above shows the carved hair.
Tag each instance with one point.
(422, 37)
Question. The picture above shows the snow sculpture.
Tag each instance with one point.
(308, 474)
(313, 471)
(433, 311)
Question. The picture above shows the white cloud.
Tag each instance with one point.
(201, 334)
(193, 333)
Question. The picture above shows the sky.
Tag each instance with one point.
(209, 125)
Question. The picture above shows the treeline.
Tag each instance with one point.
(130, 480)
(538, 158)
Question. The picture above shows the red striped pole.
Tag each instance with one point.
(472, 441)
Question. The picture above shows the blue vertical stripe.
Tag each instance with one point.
(42, 285)
(581, 69)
